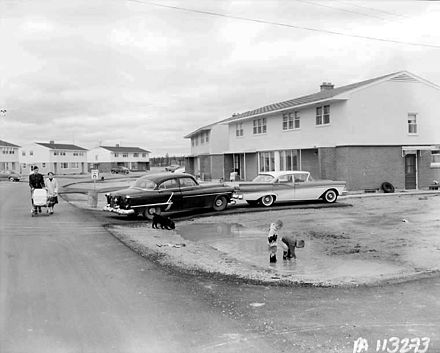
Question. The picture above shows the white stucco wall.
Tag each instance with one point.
(378, 115)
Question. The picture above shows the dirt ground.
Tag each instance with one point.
(376, 240)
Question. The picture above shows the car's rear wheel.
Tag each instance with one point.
(267, 200)
(220, 203)
(150, 211)
(330, 196)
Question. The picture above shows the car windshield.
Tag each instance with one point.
(144, 184)
(263, 178)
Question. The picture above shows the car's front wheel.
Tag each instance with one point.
(330, 196)
(267, 200)
(150, 211)
(220, 203)
(11, 179)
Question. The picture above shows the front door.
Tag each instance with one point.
(410, 171)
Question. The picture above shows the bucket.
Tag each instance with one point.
(300, 243)
(93, 199)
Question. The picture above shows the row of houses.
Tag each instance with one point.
(70, 159)
(382, 129)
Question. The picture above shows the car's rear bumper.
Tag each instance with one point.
(118, 210)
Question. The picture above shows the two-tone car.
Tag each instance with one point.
(270, 187)
(157, 193)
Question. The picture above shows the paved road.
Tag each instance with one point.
(66, 285)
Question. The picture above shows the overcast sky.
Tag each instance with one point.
(140, 74)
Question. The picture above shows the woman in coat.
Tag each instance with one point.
(52, 191)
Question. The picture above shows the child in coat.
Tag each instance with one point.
(272, 240)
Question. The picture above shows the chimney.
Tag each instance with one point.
(52, 142)
(326, 86)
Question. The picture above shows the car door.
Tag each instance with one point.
(169, 190)
(192, 195)
(304, 190)
(284, 188)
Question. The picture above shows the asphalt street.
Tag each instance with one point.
(67, 285)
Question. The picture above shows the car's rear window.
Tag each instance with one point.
(263, 178)
(144, 184)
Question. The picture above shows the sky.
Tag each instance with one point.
(146, 73)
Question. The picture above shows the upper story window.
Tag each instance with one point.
(125, 155)
(323, 115)
(202, 138)
(412, 123)
(135, 154)
(291, 121)
(31, 153)
(260, 126)
(75, 154)
(207, 136)
(196, 139)
(23, 153)
(116, 154)
(239, 129)
(192, 141)
(144, 154)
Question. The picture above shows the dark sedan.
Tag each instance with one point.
(9, 175)
(156, 193)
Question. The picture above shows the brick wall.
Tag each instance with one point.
(426, 173)
(367, 167)
(205, 167)
(327, 163)
(310, 162)
(217, 166)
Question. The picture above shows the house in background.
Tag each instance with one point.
(9, 159)
(53, 157)
(383, 129)
(104, 158)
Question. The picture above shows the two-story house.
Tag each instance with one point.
(9, 159)
(208, 146)
(382, 129)
(104, 158)
(58, 158)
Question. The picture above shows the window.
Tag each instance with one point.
(74, 165)
(202, 138)
(260, 126)
(187, 182)
(24, 165)
(267, 161)
(135, 154)
(11, 152)
(43, 165)
(116, 154)
(75, 154)
(23, 153)
(291, 121)
(144, 154)
(125, 155)
(288, 160)
(31, 153)
(197, 140)
(55, 153)
(169, 184)
(239, 129)
(207, 137)
(435, 159)
(412, 123)
(64, 165)
(323, 115)
(192, 141)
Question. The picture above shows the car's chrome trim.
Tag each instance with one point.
(198, 195)
(117, 210)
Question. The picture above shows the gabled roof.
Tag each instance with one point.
(125, 149)
(7, 144)
(61, 146)
(325, 95)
